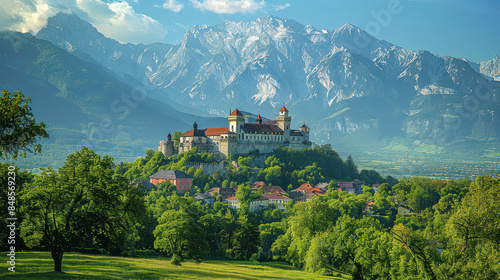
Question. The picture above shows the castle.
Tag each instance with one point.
(241, 137)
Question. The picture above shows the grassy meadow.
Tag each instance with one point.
(39, 265)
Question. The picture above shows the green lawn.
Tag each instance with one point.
(39, 265)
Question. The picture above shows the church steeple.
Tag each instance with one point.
(169, 137)
(195, 125)
(258, 119)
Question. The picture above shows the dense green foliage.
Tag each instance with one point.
(84, 204)
(454, 229)
(19, 130)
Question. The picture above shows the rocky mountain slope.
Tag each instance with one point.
(83, 103)
(340, 81)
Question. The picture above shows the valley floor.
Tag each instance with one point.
(39, 265)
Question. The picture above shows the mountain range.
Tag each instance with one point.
(345, 84)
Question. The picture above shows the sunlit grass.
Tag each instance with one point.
(39, 265)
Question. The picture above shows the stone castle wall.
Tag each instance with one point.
(209, 168)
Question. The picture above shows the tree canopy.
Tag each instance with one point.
(83, 203)
(19, 130)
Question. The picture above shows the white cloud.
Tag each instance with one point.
(281, 7)
(173, 5)
(25, 16)
(119, 21)
(116, 20)
(229, 6)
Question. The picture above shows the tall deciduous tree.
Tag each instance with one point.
(179, 234)
(19, 130)
(83, 198)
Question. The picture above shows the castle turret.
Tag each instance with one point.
(283, 121)
(304, 129)
(236, 119)
(258, 119)
(167, 147)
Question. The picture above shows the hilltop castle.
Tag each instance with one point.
(241, 137)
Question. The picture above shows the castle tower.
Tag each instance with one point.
(304, 129)
(258, 119)
(236, 119)
(167, 147)
(284, 121)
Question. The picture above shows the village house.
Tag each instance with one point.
(322, 186)
(258, 184)
(304, 188)
(306, 192)
(369, 207)
(405, 211)
(205, 197)
(279, 200)
(224, 192)
(267, 189)
(179, 179)
(350, 187)
(375, 187)
(257, 204)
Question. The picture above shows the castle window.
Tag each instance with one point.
(232, 127)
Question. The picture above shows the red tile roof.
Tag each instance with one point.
(194, 132)
(283, 109)
(258, 117)
(216, 131)
(206, 132)
(236, 113)
(306, 187)
(317, 190)
(258, 184)
(272, 189)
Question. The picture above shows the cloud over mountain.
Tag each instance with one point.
(117, 19)
(229, 6)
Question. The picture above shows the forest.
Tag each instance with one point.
(93, 205)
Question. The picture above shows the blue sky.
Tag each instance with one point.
(460, 28)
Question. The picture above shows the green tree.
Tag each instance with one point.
(12, 181)
(246, 238)
(179, 234)
(352, 168)
(177, 140)
(245, 195)
(311, 173)
(19, 130)
(82, 199)
(357, 246)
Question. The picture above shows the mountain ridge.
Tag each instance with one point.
(342, 82)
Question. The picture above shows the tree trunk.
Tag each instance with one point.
(57, 255)
(176, 259)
